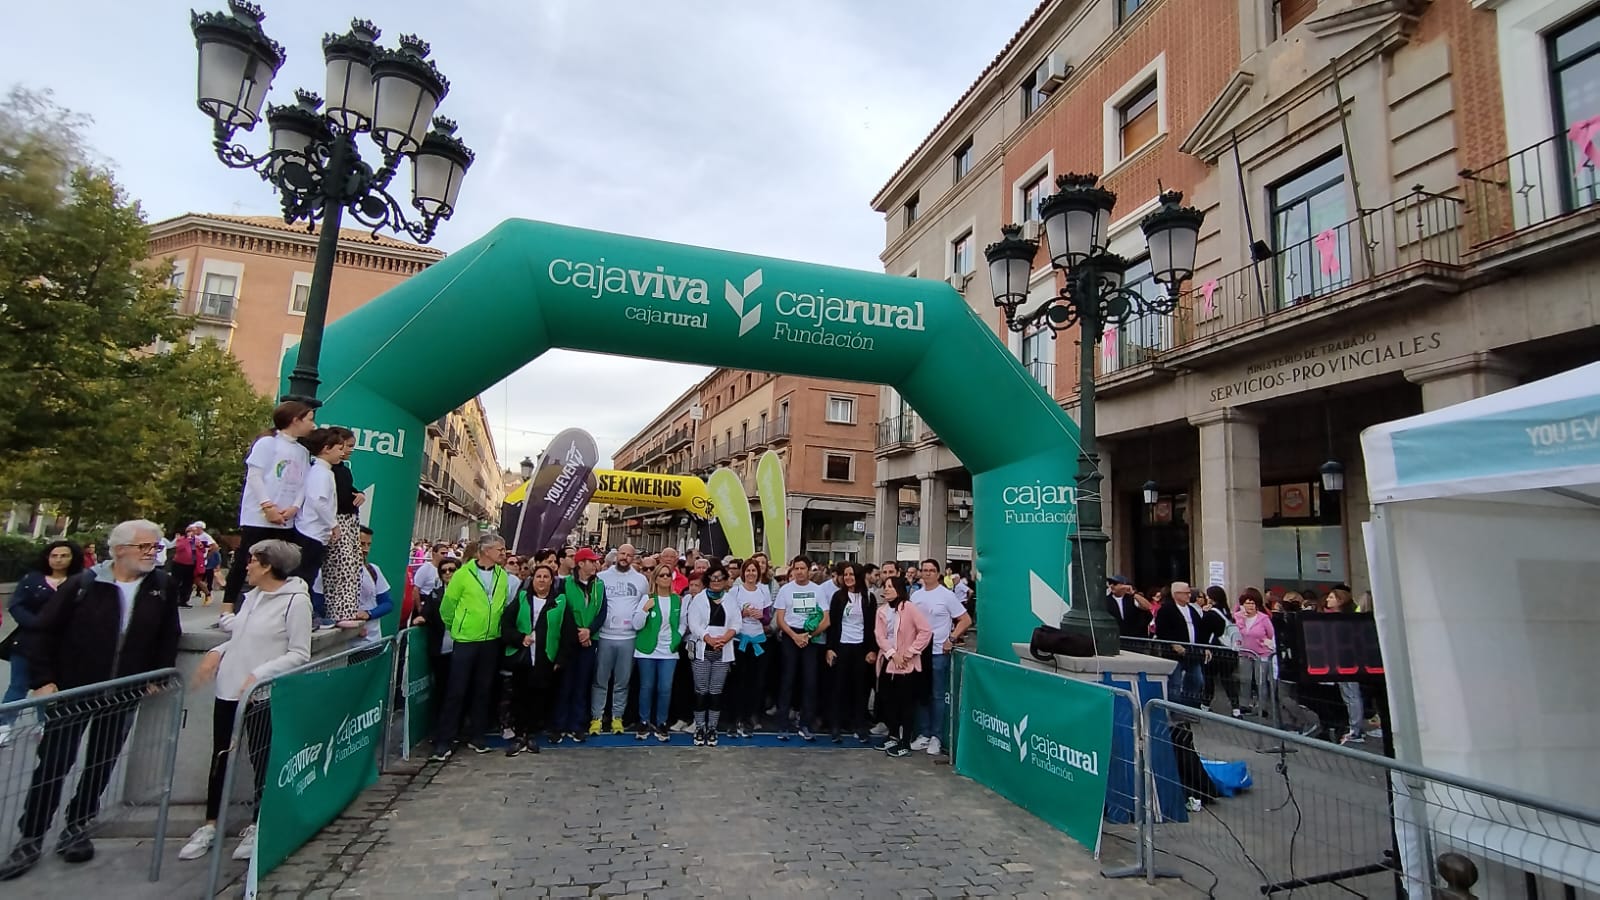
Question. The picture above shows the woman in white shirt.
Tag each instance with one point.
(274, 486)
(754, 600)
(271, 635)
(851, 655)
(661, 624)
(317, 520)
(714, 618)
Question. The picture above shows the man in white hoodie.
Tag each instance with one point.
(625, 590)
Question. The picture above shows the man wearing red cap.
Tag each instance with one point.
(584, 596)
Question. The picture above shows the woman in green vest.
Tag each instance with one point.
(661, 625)
(528, 667)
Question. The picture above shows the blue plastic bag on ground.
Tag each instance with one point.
(1229, 777)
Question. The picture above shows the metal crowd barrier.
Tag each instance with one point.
(102, 751)
(258, 693)
(1319, 819)
(409, 683)
(1235, 674)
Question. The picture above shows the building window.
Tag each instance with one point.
(1143, 337)
(838, 467)
(1575, 85)
(1032, 193)
(1038, 357)
(961, 161)
(842, 410)
(219, 296)
(1139, 120)
(1032, 97)
(1311, 234)
(1293, 12)
(1126, 9)
(961, 254)
(300, 299)
(912, 210)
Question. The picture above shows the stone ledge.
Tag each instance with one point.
(1081, 667)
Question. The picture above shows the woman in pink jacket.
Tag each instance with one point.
(1256, 648)
(903, 631)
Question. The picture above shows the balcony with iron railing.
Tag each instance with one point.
(1541, 196)
(1043, 372)
(1415, 242)
(217, 307)
(678, 439)
(738, 443)
(780, 433)
(899, 431)
(721, 452)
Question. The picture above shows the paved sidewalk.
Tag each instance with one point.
(680, 822)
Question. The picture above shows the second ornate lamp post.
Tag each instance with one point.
(313, 160)
(1076, 222)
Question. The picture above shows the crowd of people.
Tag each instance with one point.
(1237, 650)
(566, 644)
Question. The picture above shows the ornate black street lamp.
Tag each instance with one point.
(1076, 221)
(313, 160)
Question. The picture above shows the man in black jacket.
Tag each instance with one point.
(1129, 606)
(1182, 623)
(111, 621)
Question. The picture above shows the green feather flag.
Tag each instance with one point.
(774, 507)
(732, 509)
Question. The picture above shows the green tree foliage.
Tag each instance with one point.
(108, 410)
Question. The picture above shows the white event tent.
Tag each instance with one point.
(1484, 547)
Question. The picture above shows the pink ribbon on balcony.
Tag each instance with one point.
(1209, 304)
(1327, 244)
(1108, 346)
(1583, 134)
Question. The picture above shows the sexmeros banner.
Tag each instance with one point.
(1039, 740)
(326, 731)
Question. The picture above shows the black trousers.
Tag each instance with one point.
(473, 665)
(312, 553)
(180, 587)
(897, 700)
(748, 693)
(249, 535)
(258, 739)
(847, 701)
(108, 729)
(800, 665)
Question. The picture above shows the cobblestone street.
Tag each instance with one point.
(674, 822)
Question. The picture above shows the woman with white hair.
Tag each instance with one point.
(271, 635)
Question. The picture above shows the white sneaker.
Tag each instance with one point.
(934, 749)
(507, 734)
(247, 844)
(199, 843)
(1194, 804)
(880, 729)
(681, 727)
(920, 743)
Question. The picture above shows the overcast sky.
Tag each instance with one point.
(756, 127)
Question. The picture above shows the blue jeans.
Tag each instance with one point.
(1187, 683)
(933, 711)
(18, 688)
(615, 666)
(655, 689)
(577, 680)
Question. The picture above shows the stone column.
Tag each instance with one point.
(886, 521)
(1230, 497)
(1469, 377)
(935, 510)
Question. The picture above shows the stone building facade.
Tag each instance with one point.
(1399, 201)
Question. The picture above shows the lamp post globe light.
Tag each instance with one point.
(527, 468)
(1076, 222)
(313, 160)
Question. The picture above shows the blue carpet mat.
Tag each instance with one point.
(760, 739)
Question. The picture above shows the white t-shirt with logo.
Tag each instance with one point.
(277, 467)
(940, 605)
(798, 602)
(853, 629)
(625, 591)
(760, 599)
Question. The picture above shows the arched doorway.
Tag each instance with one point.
(526, 287)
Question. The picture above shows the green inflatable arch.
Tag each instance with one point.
(416, 352)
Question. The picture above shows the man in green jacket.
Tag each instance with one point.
(471, 609)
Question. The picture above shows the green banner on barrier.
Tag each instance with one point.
(1041, 741)
(419, 690)
(326, 731)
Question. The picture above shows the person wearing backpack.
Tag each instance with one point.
(1222, 632)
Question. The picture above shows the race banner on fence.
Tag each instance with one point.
(326, 732)
(420, 697)
(1041, 741)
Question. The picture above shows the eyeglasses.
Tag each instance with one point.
(719, 578)
(145, 547)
